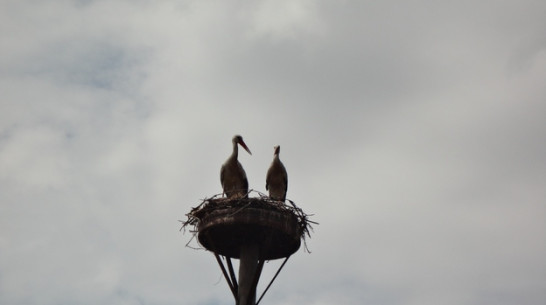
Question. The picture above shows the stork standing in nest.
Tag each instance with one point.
(232, 174)
(277, 178)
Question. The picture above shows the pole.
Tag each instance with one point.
(247, 269)
(231, 283)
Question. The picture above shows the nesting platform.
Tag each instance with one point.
(225, 225)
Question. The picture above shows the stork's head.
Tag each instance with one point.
(277, 150)
(237, 139)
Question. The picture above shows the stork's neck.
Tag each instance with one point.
(235, 152)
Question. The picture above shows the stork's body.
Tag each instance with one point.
(232, 174)
(277, 179)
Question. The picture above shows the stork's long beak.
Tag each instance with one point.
(245, 147)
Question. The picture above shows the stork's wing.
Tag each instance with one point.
(222, 175)
(285, 179)
(243, 175)
(267, 177)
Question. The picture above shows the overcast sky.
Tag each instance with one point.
(414, 131)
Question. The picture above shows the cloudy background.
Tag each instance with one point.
(414, 131)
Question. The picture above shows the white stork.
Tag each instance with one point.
(277, 178)
(232, 174)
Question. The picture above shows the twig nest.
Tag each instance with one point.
(224, 225)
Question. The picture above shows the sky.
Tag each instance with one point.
(413, 132)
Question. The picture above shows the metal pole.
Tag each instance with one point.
(257, 276)
(247, 269)
(230, 284)
(232, 274)
(274, 277)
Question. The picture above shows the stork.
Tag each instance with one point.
(232, 174)
(277, 179)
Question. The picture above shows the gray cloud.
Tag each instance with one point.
(413, 132)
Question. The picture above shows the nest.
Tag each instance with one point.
(217, 202)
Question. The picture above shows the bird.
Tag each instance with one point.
(232, 174)
(277, 179)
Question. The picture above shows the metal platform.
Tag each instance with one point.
(226, 229)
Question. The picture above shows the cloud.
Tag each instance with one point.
(412, 131)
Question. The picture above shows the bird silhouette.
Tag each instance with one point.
(277, 179)
(232, 174)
